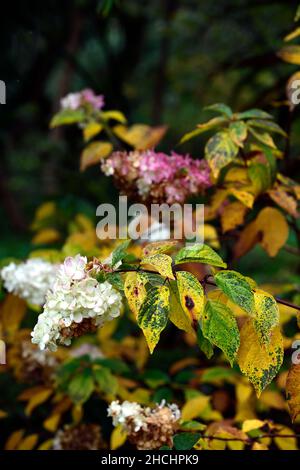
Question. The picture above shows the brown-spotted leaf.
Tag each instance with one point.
(293, 390)
(161, 262)
(191, 295)
(135, 291)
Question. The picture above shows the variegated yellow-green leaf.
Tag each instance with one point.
(206, 126)
(260, 176)
(237, 288)
(135, 291)
(266, 316)
(177, 315)
(258, 363)
(263, 137)
(219, 326)
(159, 247)
(161, 262)
(238, 132)
(220, 150)
(153, 314)
(204, 344)
(201, 254)
(191, 295)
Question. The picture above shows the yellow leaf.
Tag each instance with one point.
(293, 390)
(3, 414)
(211, 236)
(274, 228)
(244, 197)
(161, 262)
(259, 364)
(37, 400)
(176, 314)
(135, 291)
(194, 407)
(29, 442)
(118, 438)
(266, 315)
(272, 399)
(45, 236)
(45, 210)
(159, 247)
(247, 240)
(290, 54)
(91, 129)
(77, 413)
(115, 115)
(258, 446)
(294, 34)
(232, 216)
(94, 153)
(51, 423)
(12, 313)
(140, 136)
(251, 424)
(47, 445)
(286, 443)
(14, 439)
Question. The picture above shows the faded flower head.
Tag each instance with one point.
(30, 280)
(147, 428)
(77, 304)
(156, 176)
(79, 437)
(77, 100)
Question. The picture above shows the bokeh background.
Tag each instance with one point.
(159, 61)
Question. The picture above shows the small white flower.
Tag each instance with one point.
(121, 412)
(75, 296)
(71, 101)
(30, 280)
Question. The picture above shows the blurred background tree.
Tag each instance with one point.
(159, 62)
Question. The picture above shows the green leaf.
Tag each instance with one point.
(220, 150)
(115, 365)
(254, 114)
(191, 295)
(192, 426)
(119, 253)
(106, 381)
(185, 440)
(199, 253)
(220, 108)
(266, 316)
(155, 378)
(220, 328)
(237, 288)
(238, 132)
(260, 176)
(270, 126)
(81, 386)
(153, 314)
(67, 116)
(204, 344)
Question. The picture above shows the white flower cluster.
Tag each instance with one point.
(131, 413)
(75, 302)
(30, 280)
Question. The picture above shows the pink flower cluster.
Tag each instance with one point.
(156, 176)
(76, 100)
